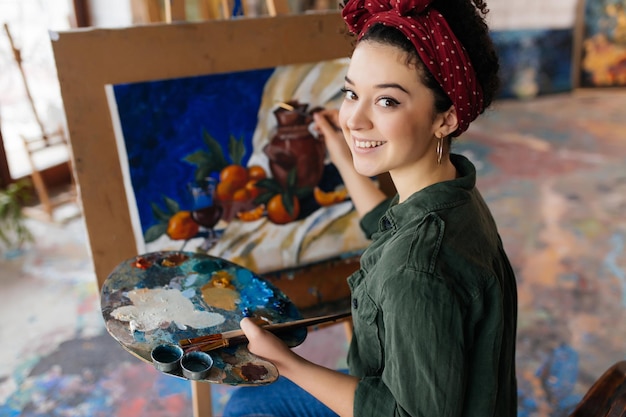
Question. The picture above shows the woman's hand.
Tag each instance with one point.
(335, 389)
(268, 346)
(327, 124)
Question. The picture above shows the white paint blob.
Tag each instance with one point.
(152, 308)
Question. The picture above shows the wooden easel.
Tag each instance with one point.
(45, 141)
(89, 61)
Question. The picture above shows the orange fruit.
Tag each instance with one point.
(277, 212)
(256, 172)
(224, 191)
(252, 215)
(252, 189)
(181, 226)
(327, 198)
(237, 175)
(241, 194)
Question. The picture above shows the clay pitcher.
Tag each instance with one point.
(293, 146)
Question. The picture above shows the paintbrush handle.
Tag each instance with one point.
(290, 325)
(234, 337)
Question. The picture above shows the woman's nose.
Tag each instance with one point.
(357, 117)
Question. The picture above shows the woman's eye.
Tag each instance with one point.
(387, 102)
(349, 94)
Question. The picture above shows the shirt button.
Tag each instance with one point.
(355, 303)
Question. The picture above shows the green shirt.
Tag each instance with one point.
(434, 307)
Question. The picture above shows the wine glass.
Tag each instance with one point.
(205, 211)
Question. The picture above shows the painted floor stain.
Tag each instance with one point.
(552, 172)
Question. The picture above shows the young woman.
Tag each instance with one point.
(434, 303)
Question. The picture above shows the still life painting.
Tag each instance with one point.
(229, 165)
(604, 44)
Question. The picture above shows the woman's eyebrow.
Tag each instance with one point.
(392, 85)
(381, 86)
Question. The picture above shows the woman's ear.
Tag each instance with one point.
(448, 122)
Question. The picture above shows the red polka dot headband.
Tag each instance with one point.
(437, 46)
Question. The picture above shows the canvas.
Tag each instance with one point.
(603, 62)
(534, 62)
(228, 164)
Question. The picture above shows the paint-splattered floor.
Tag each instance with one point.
(552, 169)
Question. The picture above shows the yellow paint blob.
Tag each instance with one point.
(224, 298)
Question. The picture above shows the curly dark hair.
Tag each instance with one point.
(466, 18)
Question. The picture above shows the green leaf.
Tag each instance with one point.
(154, 232)
(13, 230)
(5, 206)
(217, 155)
(288, 203)
(202, 173)
(264, 198)
(199, 158)
(4, 237)
(22, 234)
(303, 192)
(270, 184)
(292, 178)
(237, 150)
(172, 205)
(159, 214)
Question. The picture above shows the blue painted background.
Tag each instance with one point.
(163, 121)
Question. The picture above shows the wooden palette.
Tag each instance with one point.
(163, 297)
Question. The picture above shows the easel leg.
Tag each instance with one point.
(201, 399)
(349, 329)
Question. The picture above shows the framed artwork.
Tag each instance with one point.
(603, 44)
(534, 62)
(228, 164)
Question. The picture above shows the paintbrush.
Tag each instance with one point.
(236, 337)
(289, 107)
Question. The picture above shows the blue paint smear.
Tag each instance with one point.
(254, 293)
(189, 293)
(165, 386)
(611, 262)
(163, 121)
(87, 399)
(5, 411)
(190, 280)
(559, 375)
(527, 405)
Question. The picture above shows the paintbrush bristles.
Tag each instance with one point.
(286, 106)
(200, 339)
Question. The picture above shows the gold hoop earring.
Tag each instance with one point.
(439, 148)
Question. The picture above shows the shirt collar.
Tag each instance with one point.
(434, 197)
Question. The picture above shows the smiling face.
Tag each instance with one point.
(388, 116)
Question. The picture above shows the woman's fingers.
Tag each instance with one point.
(327, 122)
(263, 343)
